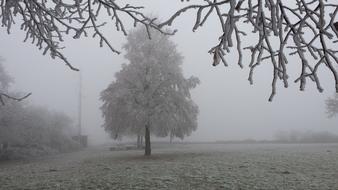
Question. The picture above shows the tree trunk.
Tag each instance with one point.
(171, 137)
(147, 150)
(138, 141)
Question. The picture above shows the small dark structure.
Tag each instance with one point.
(81, 139)
(4, 146)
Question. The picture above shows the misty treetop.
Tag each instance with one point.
(5, 79)
(332, 106)
(305, 29)
(27, 130)
(150, 93)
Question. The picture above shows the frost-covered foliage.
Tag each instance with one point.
(151, 91)
(304, 28)
(26, 130)
(46, 23)
(34, 131)
(5, 81)
(332, 106)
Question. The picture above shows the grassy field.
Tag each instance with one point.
(191, 166)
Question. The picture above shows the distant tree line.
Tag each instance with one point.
(306, 137)
(27, 130)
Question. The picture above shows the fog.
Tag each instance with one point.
(230, 108)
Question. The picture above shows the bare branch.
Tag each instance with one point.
(303, 28)
(46, 22)
(4, 95)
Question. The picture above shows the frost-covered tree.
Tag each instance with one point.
(5, 82)
(332, 106)
(306, 29)
(33, 131)
(150, 95)
(5, 79)
(25, 127)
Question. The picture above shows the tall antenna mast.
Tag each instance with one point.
(82, 139)
(80, 104)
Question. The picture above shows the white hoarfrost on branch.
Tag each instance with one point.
(332, 106)
(150, 94)
(5, 82)
(307, 29)
(47, 22)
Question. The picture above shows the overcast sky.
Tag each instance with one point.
(230, 108)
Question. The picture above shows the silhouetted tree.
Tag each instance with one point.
(150, 94)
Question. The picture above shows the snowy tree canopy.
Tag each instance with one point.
(332, 106)
(27, 128)
(5, 81)
(306, 29)
(24, 125)
(151, 91)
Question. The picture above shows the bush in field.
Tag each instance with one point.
(26, 130)
(34, 131)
